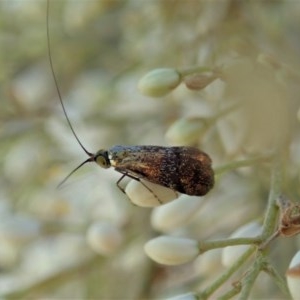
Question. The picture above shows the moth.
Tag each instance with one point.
(185, 170)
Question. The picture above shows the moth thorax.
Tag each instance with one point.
(113, 162)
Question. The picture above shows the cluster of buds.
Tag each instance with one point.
(160, 82)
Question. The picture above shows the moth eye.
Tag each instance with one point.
(102, 161)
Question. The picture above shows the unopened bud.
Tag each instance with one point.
(187, 131)
(168, 250)
(104, 237)
(147, 194)
(159, 82)
(199, 81)
(176, 213)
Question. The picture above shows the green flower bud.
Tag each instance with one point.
(159, 82)
(187, 131)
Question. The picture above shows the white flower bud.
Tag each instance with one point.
(168, 250)
(152, 196)
(208, 263)
(104, 237)
(293, 276)
(176, 213)
(230, 253)
(159, 82)
(187, 131)
(187, 296)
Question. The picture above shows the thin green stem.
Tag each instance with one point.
(281, 283)
(270, 220)
(232, 292)
(269, 227)
(225, 111)
(240, 163)
(249, 279)
(208, 245)
(227, 274)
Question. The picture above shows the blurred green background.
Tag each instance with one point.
(100, 50)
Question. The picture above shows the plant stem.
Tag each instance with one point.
(281, 283)
(226, 275)
(231, 293)
(249, 279)
(205, 246)
(240, 163)
(269, 227)
(270, 219)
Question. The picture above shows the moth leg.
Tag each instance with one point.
(124, 174)
(137, 179)
(118, 183)
(150, 191)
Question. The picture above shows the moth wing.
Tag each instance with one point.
(146, 164)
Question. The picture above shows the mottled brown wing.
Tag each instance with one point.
(183, 169)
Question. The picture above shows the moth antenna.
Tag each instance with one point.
(58, 91)
(72, 172)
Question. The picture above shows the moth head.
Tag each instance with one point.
(101, 159)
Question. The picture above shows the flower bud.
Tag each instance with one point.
(147, 194)
(230, 253)
(176, 213)
(187, 131)
(159, 82)
(168, 250)
(208, 263)
(293, 276)
(104, 237)
(199, 81)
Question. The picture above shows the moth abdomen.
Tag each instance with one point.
(191, 173)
